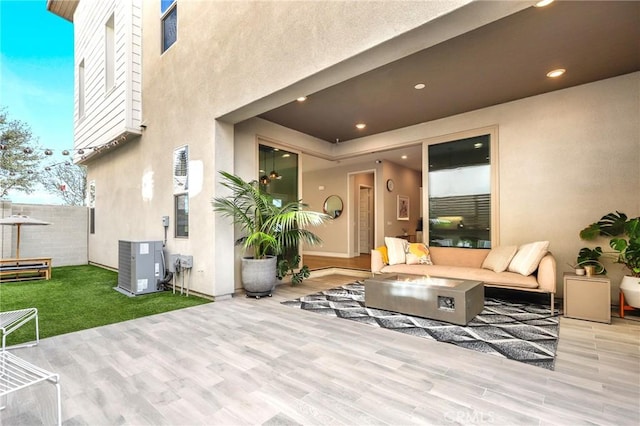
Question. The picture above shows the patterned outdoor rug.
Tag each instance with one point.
(521, 331)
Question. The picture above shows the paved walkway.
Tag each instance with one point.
(247, 361)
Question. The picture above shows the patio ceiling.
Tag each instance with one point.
(500, 62)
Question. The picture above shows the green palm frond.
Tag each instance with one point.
(268, 229)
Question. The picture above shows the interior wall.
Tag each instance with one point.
(407, 182)
(337, 234)
(565, 159)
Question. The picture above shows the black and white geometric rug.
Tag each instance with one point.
(521, 331)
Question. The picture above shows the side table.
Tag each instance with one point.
(587, 298)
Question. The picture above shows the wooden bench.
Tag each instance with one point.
(26, 268)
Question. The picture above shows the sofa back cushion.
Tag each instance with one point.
(397, 249)
(499, 258)
(418, 254)
(528, 257)
(458, 256)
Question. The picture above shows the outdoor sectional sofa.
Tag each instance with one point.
(493, 267)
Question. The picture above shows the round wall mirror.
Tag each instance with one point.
(333, 206)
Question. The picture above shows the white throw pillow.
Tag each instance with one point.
(499, 258)
(397, 248)
(528, 257)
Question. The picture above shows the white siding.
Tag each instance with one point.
(108, 114)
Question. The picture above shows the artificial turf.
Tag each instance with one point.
(81, 297)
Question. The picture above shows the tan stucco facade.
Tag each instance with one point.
(234, 60)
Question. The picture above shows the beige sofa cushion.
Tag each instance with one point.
(486, 276)
(396, 248)
(499, 258)
(528, 257)
(458, 256)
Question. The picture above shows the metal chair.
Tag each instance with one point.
(10, 321)
(17, 374)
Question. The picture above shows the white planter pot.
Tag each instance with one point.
(630, 286)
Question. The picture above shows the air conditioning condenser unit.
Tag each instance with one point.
(140, 267)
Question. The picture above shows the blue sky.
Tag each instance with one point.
(36, 77)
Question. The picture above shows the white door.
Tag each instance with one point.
(365, 220)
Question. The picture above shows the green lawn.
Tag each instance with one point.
(81, 297)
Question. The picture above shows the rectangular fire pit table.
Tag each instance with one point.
(451, 300)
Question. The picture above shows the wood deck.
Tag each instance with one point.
(247, 361)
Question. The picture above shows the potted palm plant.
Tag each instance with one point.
(267, 230)
(625, 241)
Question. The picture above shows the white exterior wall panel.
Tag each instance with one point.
(109, 112)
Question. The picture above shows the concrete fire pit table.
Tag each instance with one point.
(451, 300)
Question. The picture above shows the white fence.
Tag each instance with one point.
(65, 240)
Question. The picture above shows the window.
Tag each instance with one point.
(182, 215)
(92, 220)
(91, 203)
(169, 17)
(460, 193)
(181, 169)
(278, 172)
(81, 89)
(181, 190)
(109, 54)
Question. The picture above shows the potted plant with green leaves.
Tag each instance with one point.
(589, 257)
(267, 230)
(624, 236)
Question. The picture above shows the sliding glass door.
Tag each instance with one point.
(460, 193)
(278, 171)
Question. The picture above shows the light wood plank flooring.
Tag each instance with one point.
(247, 361)
(362, 262)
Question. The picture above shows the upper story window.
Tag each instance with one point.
(169, 17)
(110, 54)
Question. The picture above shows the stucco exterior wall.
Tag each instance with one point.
(230, 54)
(227, 54)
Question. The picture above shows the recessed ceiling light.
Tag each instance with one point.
(404, 157)
(361, 126)
(556, 73)
(301, 99)
(419, 86)
(543, 3)
(286, 155)
(477, 145)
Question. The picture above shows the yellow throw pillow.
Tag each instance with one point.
(418, 253)
(385, 254)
